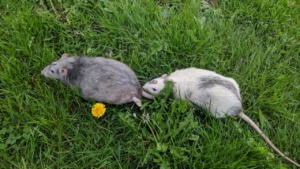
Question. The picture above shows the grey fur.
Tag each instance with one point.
(211, 81)
(98, 78)
(236, 110)
(208, 82)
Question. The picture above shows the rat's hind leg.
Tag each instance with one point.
(137, 101)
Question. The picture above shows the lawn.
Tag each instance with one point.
(44, 124)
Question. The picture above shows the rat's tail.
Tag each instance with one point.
(248, 120)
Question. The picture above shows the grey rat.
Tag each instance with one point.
(207, 89)
(98, 78)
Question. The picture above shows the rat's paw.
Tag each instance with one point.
(137, 101)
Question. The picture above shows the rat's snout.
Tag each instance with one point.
(145, 86)
(43, 71)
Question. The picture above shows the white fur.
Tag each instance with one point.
(222, 100)
(186, 87)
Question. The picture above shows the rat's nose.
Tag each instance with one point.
(43, 71)
(144, 87)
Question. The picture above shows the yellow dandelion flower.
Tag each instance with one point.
(98, 110)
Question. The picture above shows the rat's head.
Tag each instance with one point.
(57, 69)
(156, 85)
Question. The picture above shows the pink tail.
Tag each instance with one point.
(248, 120)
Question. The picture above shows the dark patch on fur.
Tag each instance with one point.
(236, 110)
(209, 82)
(74, 70)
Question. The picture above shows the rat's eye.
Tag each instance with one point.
(154, 89)
(52, 71)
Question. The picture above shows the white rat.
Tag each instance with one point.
(218, 94)
(98, 78)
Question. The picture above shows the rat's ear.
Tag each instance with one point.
(63, 71)
(64, 56)
(153, 81)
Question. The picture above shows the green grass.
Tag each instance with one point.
(43, 124)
